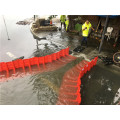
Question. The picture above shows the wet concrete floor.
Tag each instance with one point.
(99, 86)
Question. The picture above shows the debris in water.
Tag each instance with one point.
(23, 23)
(11, 55)
(109, 89)
(89, 76)
(107, 60)
(22, 57)
(117, 97)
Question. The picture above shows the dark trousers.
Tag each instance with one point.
(84, 40)
(63, 24)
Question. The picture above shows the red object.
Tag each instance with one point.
(26, 63)
(46, 59)
(41, 60)
(19, 64)
(54, 56)
(3, 67)
(63, 53)
(58, 55)
(79, 77)
(86, 68)
(67, 102)
(70, 89)
(72, 83)
(67, 51)
(82, 71)
(95, 60)
(89, 66)
(34, 61)
(92, 63)
(79, 98)
(49, 58)
(50, 22)
(10, 66)
(69, 93)
(85, 62)
(70, 98)
(81, 74)
(85, 65)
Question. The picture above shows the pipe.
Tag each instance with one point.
(103, 35)
(6, 28)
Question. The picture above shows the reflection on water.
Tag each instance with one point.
(40, 89)
(99, 87)
(21, 41)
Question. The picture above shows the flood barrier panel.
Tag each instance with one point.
(69, 93)
(22, 63)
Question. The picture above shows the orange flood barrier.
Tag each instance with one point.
(19, 63)
(69, 93)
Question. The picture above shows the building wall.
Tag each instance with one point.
(113, 22)
(94, 19)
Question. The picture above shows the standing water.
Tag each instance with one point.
(99, 86)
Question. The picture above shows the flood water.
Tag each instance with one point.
(21, 42)
(99, 86)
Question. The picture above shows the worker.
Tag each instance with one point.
(62, 20)
(85, 31)
(67, 24)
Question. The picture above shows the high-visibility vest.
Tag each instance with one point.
(62, 18)
(67, 23)
(86, 31)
